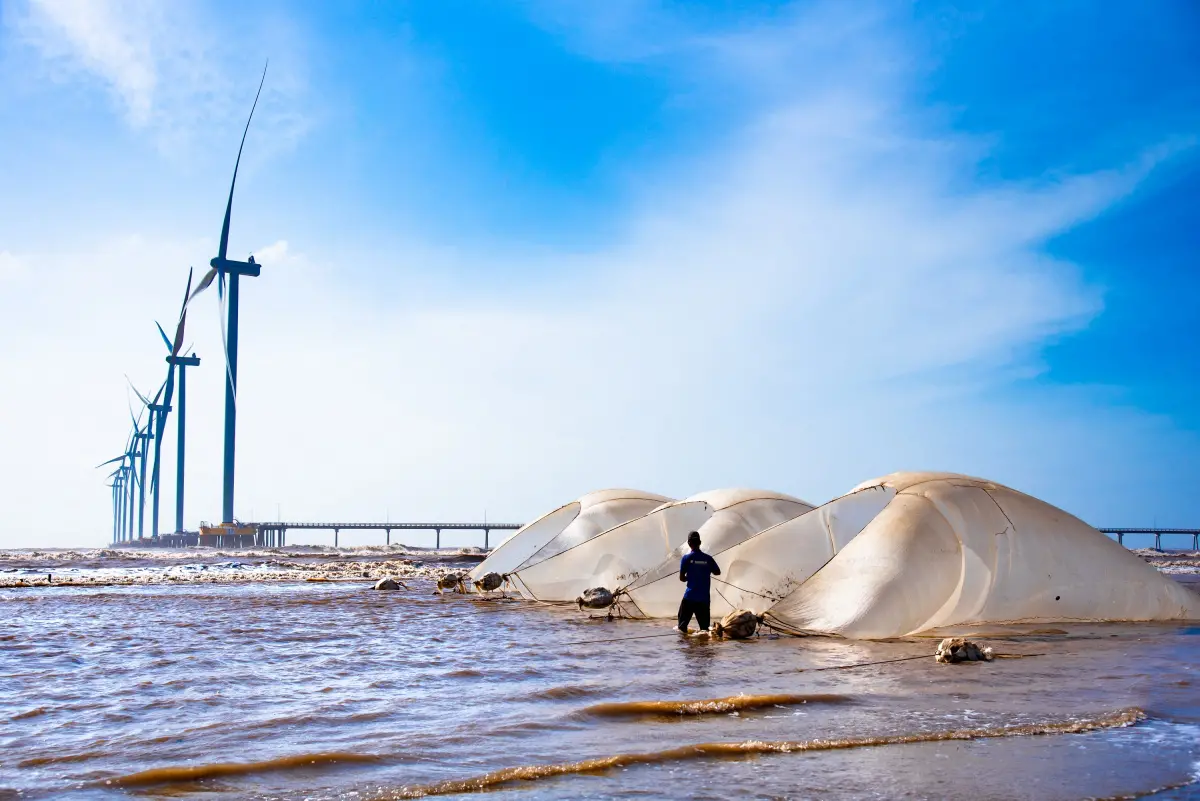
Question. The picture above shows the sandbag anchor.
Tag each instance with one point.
(491, 581)
(452, 581)
(595, 598)
(738, 625)
(953, 650)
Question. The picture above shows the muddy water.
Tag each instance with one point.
(330, 690)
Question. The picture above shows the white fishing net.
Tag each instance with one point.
(612, 559)
(617, 558)
(953, 550)
(764, 568)
(577, 521)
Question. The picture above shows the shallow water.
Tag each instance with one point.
(331, 690)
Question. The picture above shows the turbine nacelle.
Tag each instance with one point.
(223, 265)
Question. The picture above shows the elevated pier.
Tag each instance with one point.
(274, 535)
(1158, 533)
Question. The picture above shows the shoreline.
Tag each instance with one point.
(107, 567)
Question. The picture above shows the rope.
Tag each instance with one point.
(743, 589)
(888, 662)
(622, 639)
(860, 664)
(723, 598)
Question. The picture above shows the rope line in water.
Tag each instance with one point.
(859, 664)
(622, 639)
(888, 662)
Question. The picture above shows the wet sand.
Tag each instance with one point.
(129, 567)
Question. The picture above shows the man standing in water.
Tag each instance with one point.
(696, 568)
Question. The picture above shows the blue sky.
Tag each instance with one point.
(519, 251)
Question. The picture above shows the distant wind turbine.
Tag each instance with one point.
(126, 476)
(183, 362)
(143, 436)
(118, 485)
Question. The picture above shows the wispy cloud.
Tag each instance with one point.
(172, 69)
(11, 267)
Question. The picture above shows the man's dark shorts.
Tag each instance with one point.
(688, 608)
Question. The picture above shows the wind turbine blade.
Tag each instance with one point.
(110, 461)
(187, 296)
(170, 388)
(203, 285)
(224, 340)
(141, 397)
(187, 293)
(158, 394)
(163, 333)
(179, 334)
(221, 253)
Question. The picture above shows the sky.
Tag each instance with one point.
(517, 251)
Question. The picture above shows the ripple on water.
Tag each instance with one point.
(193, 773)
(528, 773)
(708, 706)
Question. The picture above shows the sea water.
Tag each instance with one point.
(326, 690)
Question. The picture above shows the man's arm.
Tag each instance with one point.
(683, 563)
(716, 569)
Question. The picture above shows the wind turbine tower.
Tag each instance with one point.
(182, 362)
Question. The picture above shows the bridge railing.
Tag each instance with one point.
(1157, 533)
(275, 534)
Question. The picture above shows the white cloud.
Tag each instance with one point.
(823, 300)
(274, 254)
(11, 267)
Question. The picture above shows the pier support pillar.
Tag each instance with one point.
(389, 536)
(486, 533)
(1157, 541)
(335, 538)
(438, 541)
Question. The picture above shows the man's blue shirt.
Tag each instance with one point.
(696, 568)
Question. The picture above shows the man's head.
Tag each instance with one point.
(694, 540)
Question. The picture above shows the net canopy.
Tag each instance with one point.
(951, 550)
(577, 521)
(656, 592)
(617, 557)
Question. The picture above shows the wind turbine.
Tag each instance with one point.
(122, 491)
(183, 362)
(115, 486)
(143, 436)
(222, 266)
